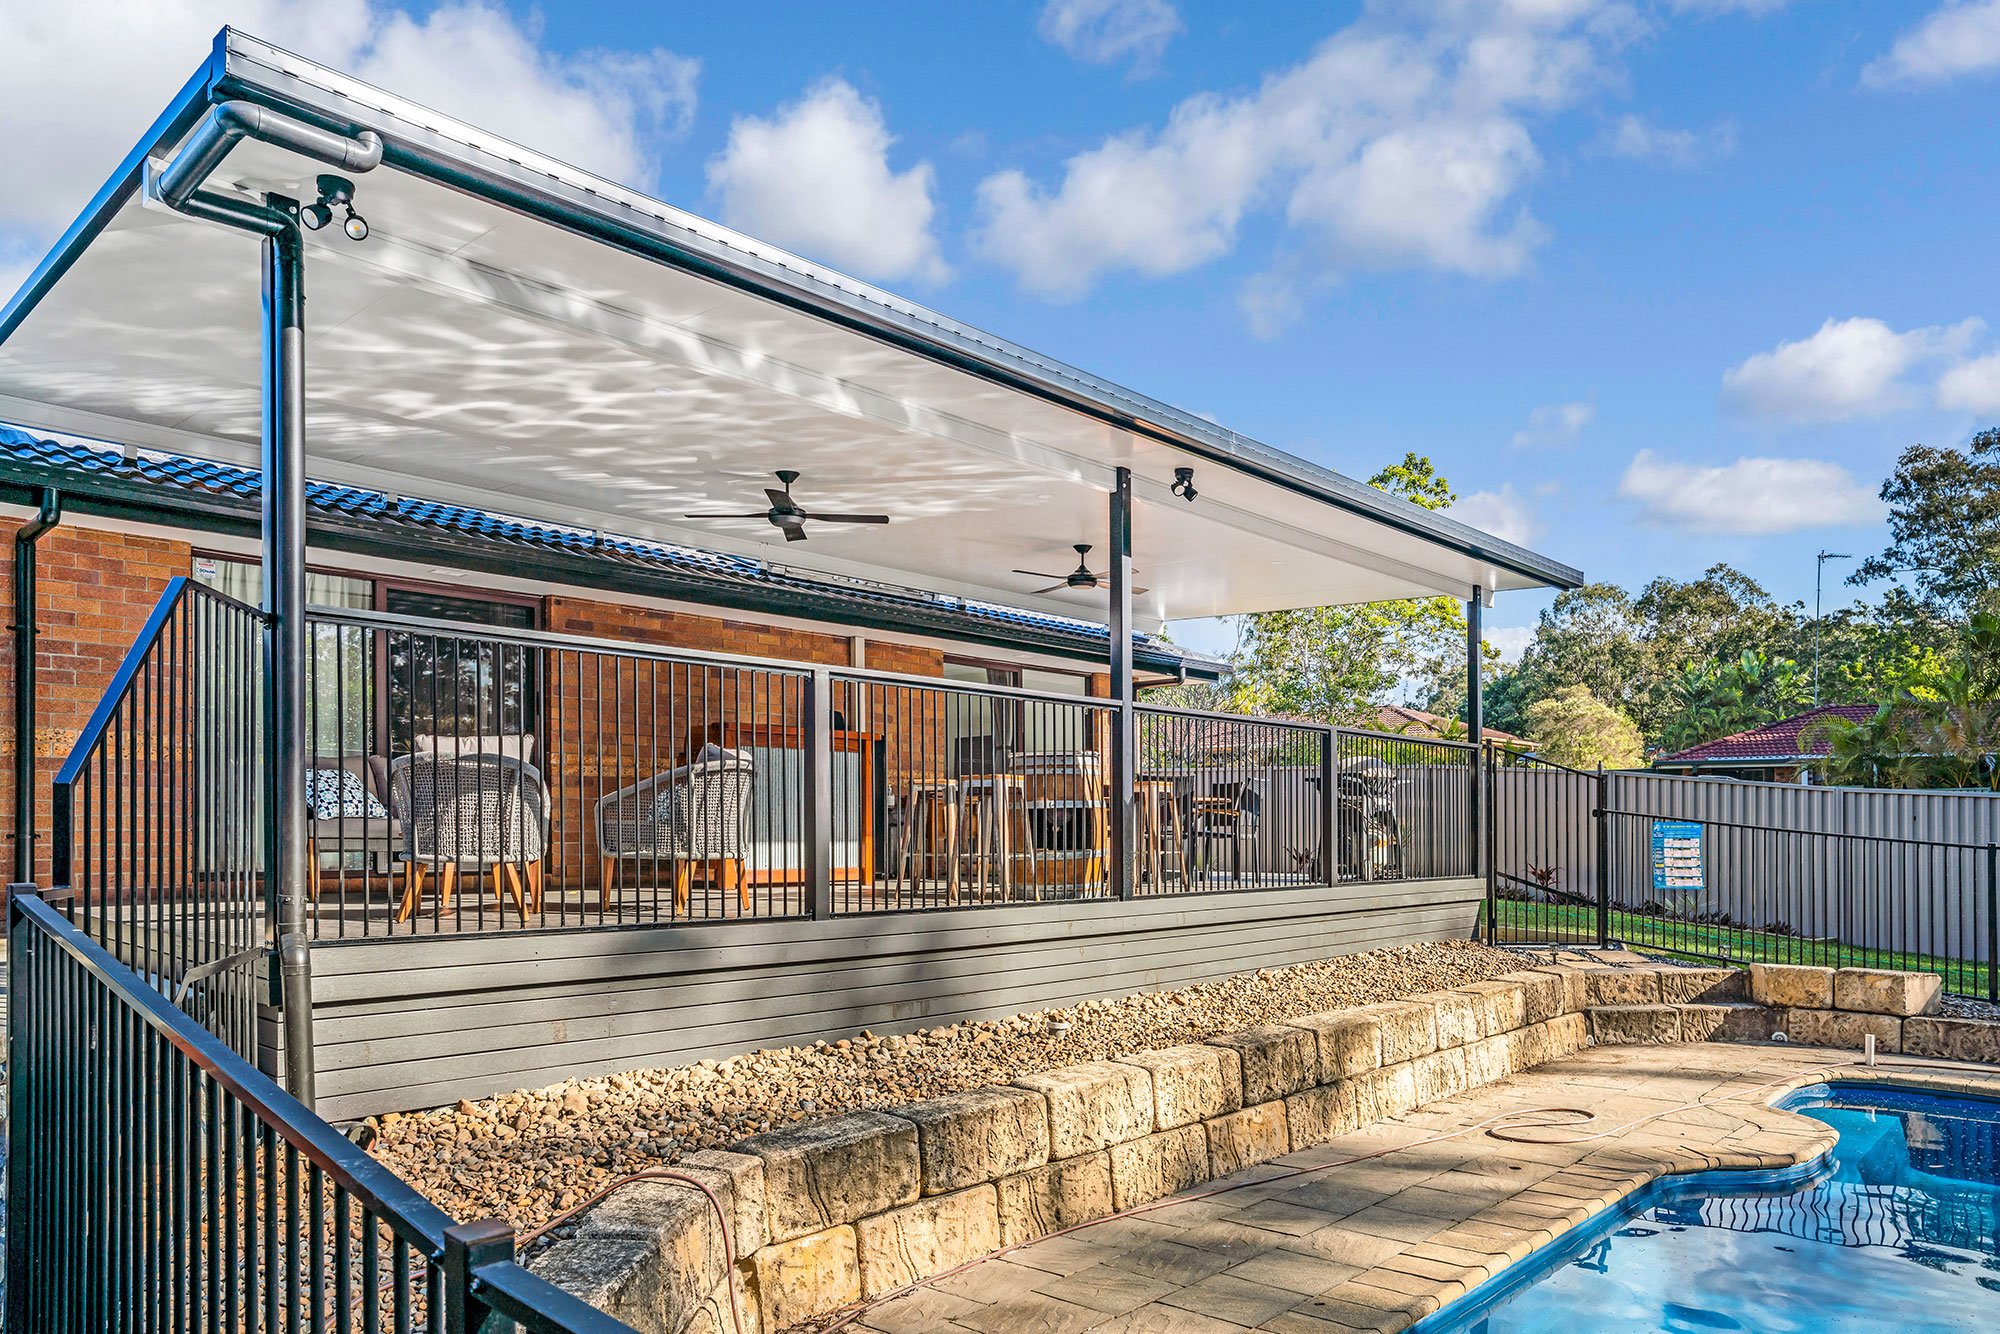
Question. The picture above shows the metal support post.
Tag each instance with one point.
(25, 666)
(1475, 713)
(816, 710)
(468, 1248)
(1124, 714)
(1603, 816)
(284, 595)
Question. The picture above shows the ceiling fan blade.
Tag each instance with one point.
(793, 532)
(1041, 574)
(848, 518)
(758, 515)
(1052, 588)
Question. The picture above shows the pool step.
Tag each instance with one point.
(1726, 1021)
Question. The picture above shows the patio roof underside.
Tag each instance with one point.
(484, 353)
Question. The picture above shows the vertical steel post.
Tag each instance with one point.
(24, 1003)
(1603, 814)
(816, 706)
(25, 664)
(284, 591)
(1124, 716)
(1329, 806)
(1488, 759)
(469, 1247)
(1475, 715)
(1993, 922)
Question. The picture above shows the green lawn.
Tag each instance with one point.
(1539, 922)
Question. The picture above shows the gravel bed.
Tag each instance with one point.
(527, 1156)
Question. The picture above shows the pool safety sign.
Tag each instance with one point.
(1677, 855)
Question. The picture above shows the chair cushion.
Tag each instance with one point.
(335, 794)
(519, 745)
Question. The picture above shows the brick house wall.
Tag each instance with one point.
(96, 590)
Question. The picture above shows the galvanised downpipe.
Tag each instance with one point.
(46, 517)
(276, 220)
(228, 122)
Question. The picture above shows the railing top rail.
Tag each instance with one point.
(376, 1187)
(1529, 761)
(873, 676)
(178, 587)
(539, 1305)
(1369, 734)
(1941, 844)
(1210, 715)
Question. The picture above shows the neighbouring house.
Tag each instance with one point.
(585, 637)
(1785, 751)
(1406, 721)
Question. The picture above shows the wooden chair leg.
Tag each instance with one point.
(607, 876)
(447, 884)
(535, 885)
(732, 874)
(514, 883)
(413, 889)
(683, 879)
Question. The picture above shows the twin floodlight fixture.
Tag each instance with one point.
(335, 192)
(1184, 484)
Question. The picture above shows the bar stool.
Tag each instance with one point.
(931, 802)
(1161, 832)
(993, 804)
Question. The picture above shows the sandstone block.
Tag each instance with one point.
(685, 1236)
(1409, 1030)
(1323, 1113)
(1191, 1083)
(1048, 1199)
(1529, 1047)
(1147, 1169)
(808, 1275)
(1277, 1059)
(620, 1276)
(1880, 991)
(1455, 1014)
(1502, 1005)
(979, 1135)
(1708, 986)
(1788, 986)
(713, 1316)
(1350, 1042)
(1439, 1075)
(926, 1238)
(1953, 1039)
(821, 1173)
(1247, 1137)
(1843, 1028)
(1622, 986)
(1728, 1023)
(1383, 1093)
(1490, 1059)
(738, 1181)
(1093, 1105)
(1613, 1025)
(1544, 995)
(1568, 1035)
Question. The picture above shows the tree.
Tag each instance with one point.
(1713, 699)
(1574, 727)
(1941, 730)
(1944, 527)
(1589, 637)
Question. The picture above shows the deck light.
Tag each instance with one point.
(1184, 484)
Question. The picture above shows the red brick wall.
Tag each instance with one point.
(96, 590)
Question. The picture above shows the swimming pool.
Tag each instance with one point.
(1899, 1231)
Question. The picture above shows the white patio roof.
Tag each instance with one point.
(532, 339)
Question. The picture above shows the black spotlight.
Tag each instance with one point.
(356, 226)
(1184, 484)
(315, 216)
(335, 192)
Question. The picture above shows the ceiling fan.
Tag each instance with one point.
(787, 515)
(1080, 577)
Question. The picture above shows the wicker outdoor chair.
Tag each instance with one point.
(470, 810)
(696, 814)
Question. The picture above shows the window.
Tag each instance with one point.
(440, 685)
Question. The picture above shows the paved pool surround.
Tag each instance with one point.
(826, 1213)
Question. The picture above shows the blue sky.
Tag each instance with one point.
(1655, 282)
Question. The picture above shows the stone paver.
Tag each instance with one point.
(1313, 1243)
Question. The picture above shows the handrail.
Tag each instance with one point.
(1942, 844)
(178, 587)
(1210, 715)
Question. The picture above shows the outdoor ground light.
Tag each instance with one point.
(1184, 484)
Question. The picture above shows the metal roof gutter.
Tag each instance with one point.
(133, 501)
(242, 67)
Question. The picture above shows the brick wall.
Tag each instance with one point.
(96, 590)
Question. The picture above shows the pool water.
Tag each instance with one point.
(1901, 1232)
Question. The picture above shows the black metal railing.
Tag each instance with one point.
(157, 1181)
(1408, 809)
(1544, 839)
(1227, 802)
(158, 813)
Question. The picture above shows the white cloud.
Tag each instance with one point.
(1271, 303)
(1402, 141)
(1751, 496)
(1641, 140)
(1503, 513)
(1972, 386)
(815, 176)
(1729, 6)
(1102, 31)
(111, 66)
(1849, 368)
(1553, 425)
(1511, 640)
(1957, 39)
